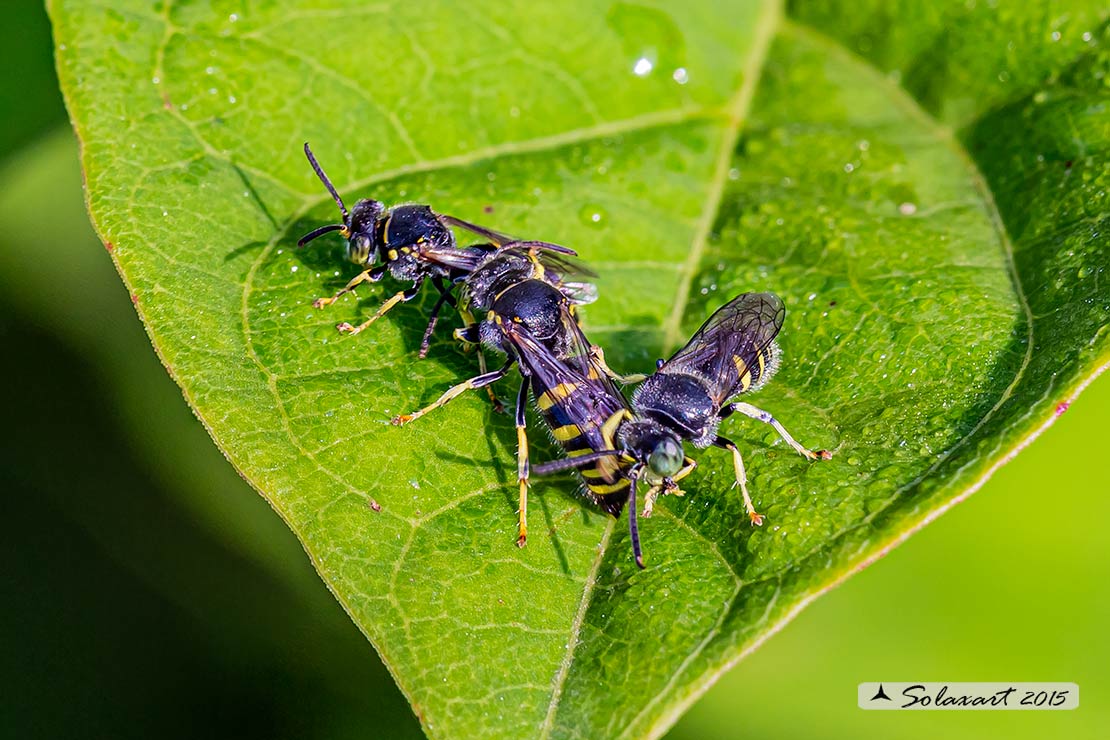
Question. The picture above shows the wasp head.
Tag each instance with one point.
(360, 228)
(359, 225)
(654, 446)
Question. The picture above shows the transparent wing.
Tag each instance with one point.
(568, 275)
(732, 349)
(465, 259)
(560, 269)
(499, 239)
(575, 361)
(494, 236)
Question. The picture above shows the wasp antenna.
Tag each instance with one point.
(324, 179)
(317, 232)
(633, 524)
(572, 462)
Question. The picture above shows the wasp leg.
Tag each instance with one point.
(403, 296)
(670, 486)
(480, 381)
(599, 357)
(748, 410)
(469, 334)
(373, 276)
(649, 501)
(444, 297)
(522, 459)
(741, 478)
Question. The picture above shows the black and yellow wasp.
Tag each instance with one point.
(733, 353)
(574, 391)
(414, 243)
(686, 398)
(533, 323)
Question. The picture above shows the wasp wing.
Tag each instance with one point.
(499, 239)
(496, 237)
(568, 275)
(574, 361)
(564, 272)
(733, 349)
(463, 259)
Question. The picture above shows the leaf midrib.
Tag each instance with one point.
(736, 115)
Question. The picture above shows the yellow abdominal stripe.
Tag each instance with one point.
(607, 487)
(549, 398)
(566, 432)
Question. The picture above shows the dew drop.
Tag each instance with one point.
(681, 76)
(907, 209)
(591, 214)
(642, 67)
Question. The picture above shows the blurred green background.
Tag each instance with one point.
(148, 591)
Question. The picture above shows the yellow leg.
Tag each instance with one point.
(480, 381)
(349, 287)
(756, 413)
(348, 329)
(742, 479)
(522, 479)
(649, 501)
(469, 322)
(522, 458)
(599, 357)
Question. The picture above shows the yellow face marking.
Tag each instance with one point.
(609, 428)
(550, 397)
(392, 254)
(607, 487)
(566, 432)
(538, 274)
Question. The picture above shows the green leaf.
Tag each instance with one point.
(923, 184)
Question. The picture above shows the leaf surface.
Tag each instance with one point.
(924, 187)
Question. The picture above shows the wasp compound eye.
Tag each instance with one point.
(358, 249)
(666, 459)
